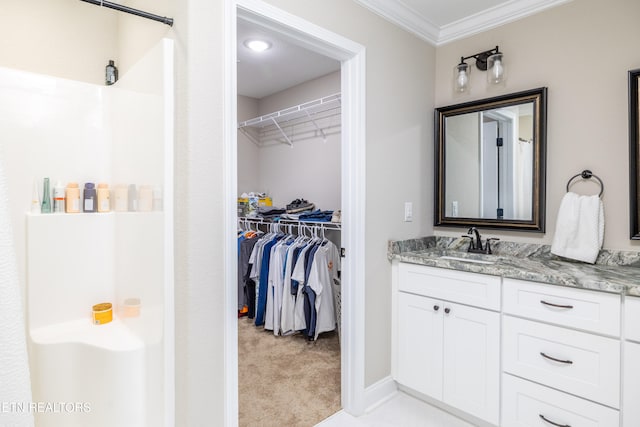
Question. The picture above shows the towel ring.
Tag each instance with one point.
(586, 174)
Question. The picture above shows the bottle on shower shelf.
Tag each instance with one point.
(46, 197)
(58, 198)
(104, 202)
(89, 197)
(35, 199)
(72, 198)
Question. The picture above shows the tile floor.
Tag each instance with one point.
(401, 410)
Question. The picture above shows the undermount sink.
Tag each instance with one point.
(475, 261)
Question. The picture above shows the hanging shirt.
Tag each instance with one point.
(289, 298)
(299, 321)
(326, 264)
(275, 283)
(264, 280)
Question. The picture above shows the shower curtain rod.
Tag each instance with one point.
(121, 8)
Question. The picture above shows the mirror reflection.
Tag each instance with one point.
(489, 162)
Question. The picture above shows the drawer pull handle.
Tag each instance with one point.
(436, 307)
(552, 423)
(556, 305)
(447, 310)
(568, 362)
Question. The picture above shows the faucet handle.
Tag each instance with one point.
(488, 246)
(470, 240)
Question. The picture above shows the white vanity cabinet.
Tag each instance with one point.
(631, 349)
(558, 367)
(446, 334)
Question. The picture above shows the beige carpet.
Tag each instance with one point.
(286, 381)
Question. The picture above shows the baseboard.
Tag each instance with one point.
(378, 393)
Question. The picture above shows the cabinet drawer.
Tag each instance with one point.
(474, 289)
(576, 308)
(632, 318)
(525, 403)
(576, 362)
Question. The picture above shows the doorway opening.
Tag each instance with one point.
(352, 162)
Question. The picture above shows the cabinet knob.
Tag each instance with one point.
(447, 310)
(436, 307)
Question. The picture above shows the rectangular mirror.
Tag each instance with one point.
(490, 162)
(634, 155)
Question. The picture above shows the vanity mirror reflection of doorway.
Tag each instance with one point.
(346, 379)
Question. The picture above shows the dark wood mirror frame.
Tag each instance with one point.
(537, 223)
(634, 154)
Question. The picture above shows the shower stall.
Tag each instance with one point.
(119, 373)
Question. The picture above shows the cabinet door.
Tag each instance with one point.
(472, 361)
(631, 385)
(419, 358)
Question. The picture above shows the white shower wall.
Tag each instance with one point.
(73, 131)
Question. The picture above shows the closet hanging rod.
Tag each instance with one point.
(126, 9)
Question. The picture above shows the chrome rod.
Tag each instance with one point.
(126, 9)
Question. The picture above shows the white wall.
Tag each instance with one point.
(310, 168)
(587, 105)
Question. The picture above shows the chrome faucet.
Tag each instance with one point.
(475, 242)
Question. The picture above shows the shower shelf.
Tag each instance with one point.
(317, 118)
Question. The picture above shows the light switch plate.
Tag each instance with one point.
(408, 211)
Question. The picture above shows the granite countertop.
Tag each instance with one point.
(614, 271)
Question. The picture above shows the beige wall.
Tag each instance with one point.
(61, 38)
(248, 152)
(75, 40)
(581, 51)
(400, 72)
(310, 168)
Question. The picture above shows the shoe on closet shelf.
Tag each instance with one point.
(337, 216)
(299, 205)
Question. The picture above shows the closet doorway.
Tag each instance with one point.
(341, 175)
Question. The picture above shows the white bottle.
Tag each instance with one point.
(58, 198)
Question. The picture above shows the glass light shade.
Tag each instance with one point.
(461, 77)
(495, 68)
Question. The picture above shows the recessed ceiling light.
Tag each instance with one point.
(257, 45)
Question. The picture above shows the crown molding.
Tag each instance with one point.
(493, 17)
(407, 18)
(398, 13)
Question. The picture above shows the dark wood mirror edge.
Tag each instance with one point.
(537, 224)
(634, 155)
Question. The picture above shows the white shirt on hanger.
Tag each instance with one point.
(325, 267)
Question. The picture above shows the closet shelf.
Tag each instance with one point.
(317, 118)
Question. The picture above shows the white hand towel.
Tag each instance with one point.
(15, 385)
(579, 228)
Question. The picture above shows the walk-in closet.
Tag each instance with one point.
(289, 231)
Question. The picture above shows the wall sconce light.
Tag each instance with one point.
(489, 60)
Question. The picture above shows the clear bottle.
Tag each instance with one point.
(58, 197)
(104, 202)
(46, 197)
(72, 198)
(35, 199)
(89, 197)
